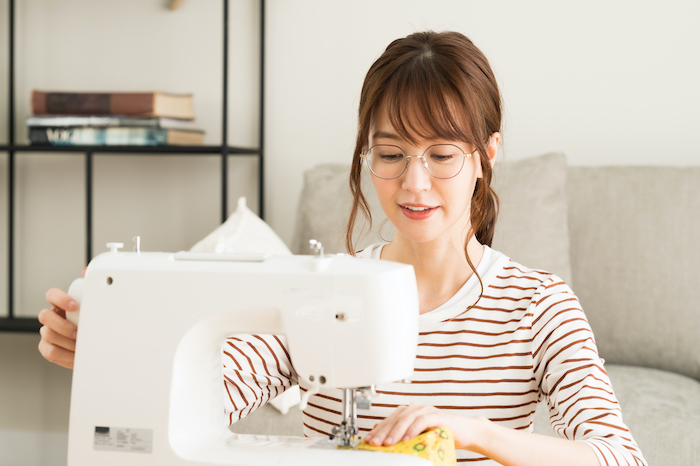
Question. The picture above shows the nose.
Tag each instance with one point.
(416, 177)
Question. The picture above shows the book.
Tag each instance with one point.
(116, 136)
(100, 121)
(145, 104)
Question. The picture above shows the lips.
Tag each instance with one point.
(417, 211)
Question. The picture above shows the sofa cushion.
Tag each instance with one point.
(324, 206)
(661, 409)
(635, 250)
(531, 229)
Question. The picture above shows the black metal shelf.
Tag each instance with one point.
(224, 150)
(137, 150)
(19, 324)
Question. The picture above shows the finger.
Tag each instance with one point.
(50, 318)
(406, 426)
(61, 300)
(378, 433)
(56, 355)
(56, 339)
(421, 422)
(382, 433)
(61, 313)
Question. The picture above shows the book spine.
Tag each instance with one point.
(92, 121)
(137, 103)
(60, 136)
(92, 103)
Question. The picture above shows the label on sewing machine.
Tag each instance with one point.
(123, 439)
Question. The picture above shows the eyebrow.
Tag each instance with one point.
(386, 135)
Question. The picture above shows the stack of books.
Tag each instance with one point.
(116, 118)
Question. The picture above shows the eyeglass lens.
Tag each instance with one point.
(441, 161)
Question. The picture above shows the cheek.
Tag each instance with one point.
(474, 165)
(384, 190)
(459, 193)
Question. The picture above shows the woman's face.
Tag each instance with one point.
(424, 209)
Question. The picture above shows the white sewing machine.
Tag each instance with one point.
(147, 384)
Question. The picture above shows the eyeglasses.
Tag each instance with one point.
(440, 160)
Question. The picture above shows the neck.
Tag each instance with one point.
(441, 268)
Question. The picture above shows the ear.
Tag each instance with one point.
(491, 152)
(492, 148)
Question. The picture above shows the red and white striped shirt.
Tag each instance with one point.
(525, 340)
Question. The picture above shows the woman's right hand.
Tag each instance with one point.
(58, 335)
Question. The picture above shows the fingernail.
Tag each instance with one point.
(368, 437)
(72, 305)
(389, 441)
(375, 441)
(405, 437)
(74, 334)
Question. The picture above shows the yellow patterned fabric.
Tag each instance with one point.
(436, 445)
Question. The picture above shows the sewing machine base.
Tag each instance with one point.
(244, 450)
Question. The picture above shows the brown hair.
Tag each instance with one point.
(432, 85)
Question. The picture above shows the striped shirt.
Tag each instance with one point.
(524, 340)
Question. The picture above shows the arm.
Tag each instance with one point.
(570, 374)
(257, 368)
(507, 446)
(573, 381)
(58, 336)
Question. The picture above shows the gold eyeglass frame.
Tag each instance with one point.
(365, 155)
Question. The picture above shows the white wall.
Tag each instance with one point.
(130, 45)
(604, 82)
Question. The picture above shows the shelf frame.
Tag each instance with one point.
(136, 150)
(13, 150)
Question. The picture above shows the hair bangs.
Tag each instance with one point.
(422, 104)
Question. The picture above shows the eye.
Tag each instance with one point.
(391, 157)
(441, 158)
(444, 154)
(388, 154)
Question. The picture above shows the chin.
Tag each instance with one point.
(419, 235)
(428, 231)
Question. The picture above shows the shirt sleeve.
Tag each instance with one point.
(572, 379)
(256, 369)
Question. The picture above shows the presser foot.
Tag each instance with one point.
(345, 436)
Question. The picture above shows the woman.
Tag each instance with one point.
(495, 337)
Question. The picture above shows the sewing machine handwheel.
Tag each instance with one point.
(76, 292)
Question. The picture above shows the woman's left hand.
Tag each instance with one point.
(410, 421)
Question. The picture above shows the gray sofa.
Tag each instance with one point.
(627, 239)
